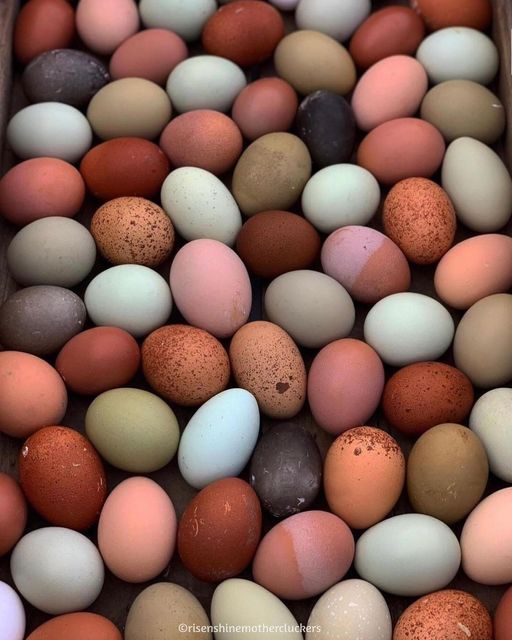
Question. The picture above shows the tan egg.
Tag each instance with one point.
(271, 173)
(310, 60)
(268, 363)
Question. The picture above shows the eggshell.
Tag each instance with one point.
(266, 362)
(304, 555)
(104, 24)
(408, 327)
(158, 610)
(408, 555)
(12, 624)
(200, 205)
(219, 438)
(345, 384)
(351, 607)
(366, 262)
(485, 555)
(217, 300)
(425, 394)
(57, 570)
(356, 462)
(39, 188)
(185, 19)
(98, 359)
(503, 617)
(467, 13)
(443, 614)
(401, 148)
(32, 394)
(76, 626)
(137, 530)
(337, 18)
(184, 364)
(13, 513)
(419, 216)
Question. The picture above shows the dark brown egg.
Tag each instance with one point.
(439, 14)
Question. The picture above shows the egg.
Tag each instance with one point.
(439, 13)
(158, 610)
(39, 188)
(401, 148)
(132, 429)
(124, 167)
(129, 296)
(219, 438)
(357, 462)
(366, 262)
(76, 626)
(133, 231)
(203, 138)
(271, 173)
(63, 477)
(12, 625)
(246, 32)
(419, 216)
(503, 617)
(391, 88)
(200, 205)
(408, 555)
(408, 327)
(13, 513)
(267, 362)
(284, 5)
(424, 394)
(187, 20)
(137, 530)
(57, 570)
(32, 394)
(104, 24)
(217, 300)
(338, 19)
(441, 613)
(351, 607)
(304, 555)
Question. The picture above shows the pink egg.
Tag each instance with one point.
(345, 384)
(104, 24)
(304, 555)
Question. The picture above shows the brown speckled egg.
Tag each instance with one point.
(62, 477)
(268, 363)
(439, 14)
(445, 615)
(203, 138)
(133, 231)
(219, 532)
(426, 394)
(420, 218)
(184, 364)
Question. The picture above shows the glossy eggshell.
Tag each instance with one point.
(503, 617)
(13, 513)
(104, 24)
(338, 19)
(77, 626)
(13, 613)
(185, 19)
(454, 13)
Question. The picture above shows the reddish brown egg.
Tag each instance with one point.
(246, 31)
(63, 477)
(454, 13)
(98, 359)
(13, 513)
(77, 626)
(503, 617)
(203, 138)
(219, 532)
(124, 167)
(43, 25)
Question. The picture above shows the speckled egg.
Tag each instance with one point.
(503, 617)
(77, 626)
(454, 13)
(13, 513)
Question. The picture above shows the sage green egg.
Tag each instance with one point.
(132, 429)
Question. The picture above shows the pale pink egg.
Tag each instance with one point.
(104, 24)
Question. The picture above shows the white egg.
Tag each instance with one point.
(57, 570)
(337, 18)
(200, 205)
(50, 129)
(285, 5)
(219, 438)
(408, 555)
(340, 195)
(408, 327)
(131, 297)
(459, 53)
(12, 614)
(186, 18)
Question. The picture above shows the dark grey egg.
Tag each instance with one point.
(64, 75)
(40, 320)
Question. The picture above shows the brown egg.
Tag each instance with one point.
(124, 167)
(203, 138)
(220, 530)
(442, 615)
(503, 617)
(98, 359)
(439, 14)
(424, 394)
(420, 218)
(133, 231)
(63, 478)
(246, 32)
(77, 626)
(274, 242)
(43, 25)
(13, 513)
(268, 363)
(185, 364)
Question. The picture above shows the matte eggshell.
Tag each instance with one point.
(13, 513)
(185, 19)
(104, 24)
(12, 624)
(503, 617)
(454, 13)
(337, 18)
(77, 626)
